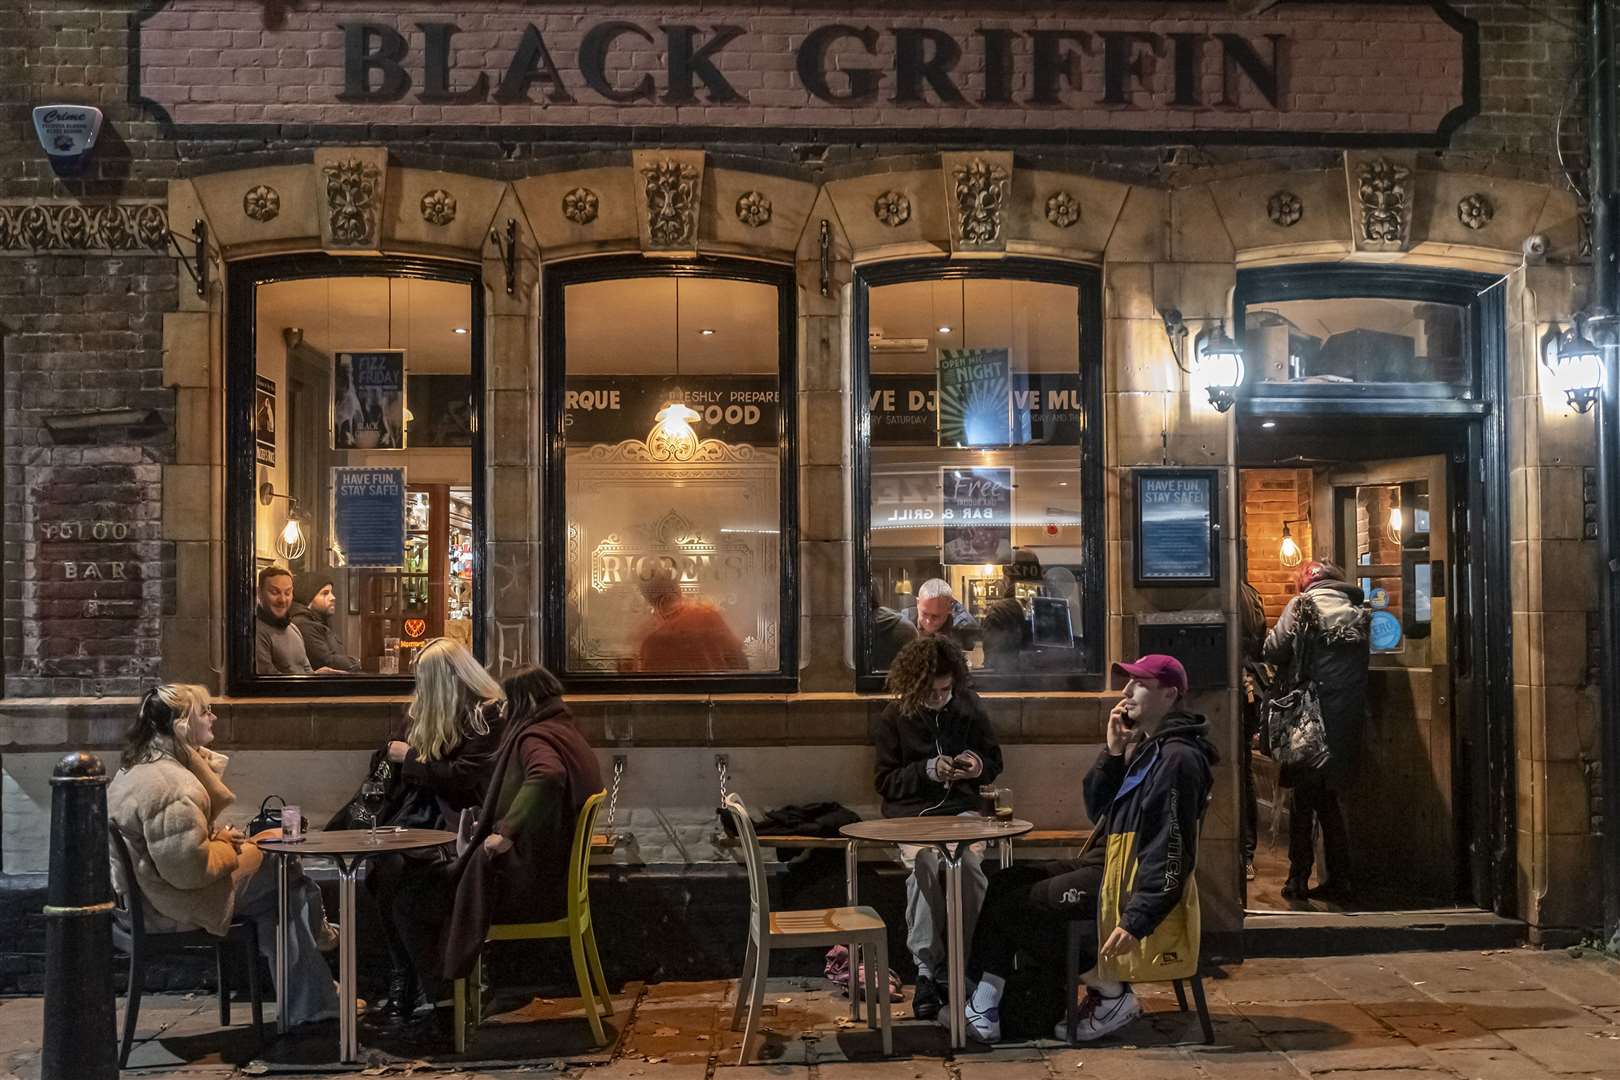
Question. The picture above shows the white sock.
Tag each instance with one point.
(987, 995)
(1105, 988)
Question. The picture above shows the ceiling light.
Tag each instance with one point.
(944, 329)
(707, 331)
(460, 330)
(1268, 424)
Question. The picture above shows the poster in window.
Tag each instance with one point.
(441, 410)
(264, 421)
(1045, 409)
(368, 515)
(976, 516)
(742, 410)
(975, 398)
(1175, 527)
(368, 400)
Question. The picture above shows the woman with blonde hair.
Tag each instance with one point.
(195, 873)
(452, 732)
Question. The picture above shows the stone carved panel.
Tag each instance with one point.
(27, 227)
(1475, 211)
(353, 194)
(580, 206)
(1062, 210)
(1284, 208)
(261, 203)
(1383, 190)
(892, 208)
(753, 209)
(438, 207)
(980, 190)
(672, 203)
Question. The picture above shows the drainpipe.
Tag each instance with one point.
(1605, 252)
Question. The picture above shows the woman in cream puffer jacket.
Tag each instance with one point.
(195, 873)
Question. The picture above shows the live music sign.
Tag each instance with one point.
(1390, 73)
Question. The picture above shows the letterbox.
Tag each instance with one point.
(1196, 638)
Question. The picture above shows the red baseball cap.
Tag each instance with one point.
(1165, 670)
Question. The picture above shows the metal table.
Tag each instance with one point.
(348, 849)
(950, 835)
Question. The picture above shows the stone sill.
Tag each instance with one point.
(40, 725)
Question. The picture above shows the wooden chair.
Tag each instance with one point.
(131, 937)
(857, 927)
(576, 926)
(1078, 927)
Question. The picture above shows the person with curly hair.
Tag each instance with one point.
(934, 746)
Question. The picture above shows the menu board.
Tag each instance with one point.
(1175, 534)
(368, 515)
(976, 516)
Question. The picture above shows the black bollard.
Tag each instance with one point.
(80, 1040)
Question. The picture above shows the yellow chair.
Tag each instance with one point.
(576, 926)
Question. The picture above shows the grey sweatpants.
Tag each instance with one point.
(925, 904)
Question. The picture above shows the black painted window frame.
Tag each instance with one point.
(1089, 672)
(553, 585)
(242, 280)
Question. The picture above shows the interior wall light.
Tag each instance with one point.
(1288, 553)
(1395, 524)
(291, 542)
(1575, 360)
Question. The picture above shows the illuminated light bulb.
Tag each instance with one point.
(675, 420)
(290, 544)
(1289, 554)
(1395, 522)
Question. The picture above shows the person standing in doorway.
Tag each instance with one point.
(934, 746)
(1256, 680)
(1330, 619)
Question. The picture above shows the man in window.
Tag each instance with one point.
(939, 614)
(311, 612)
(278, 647)
(685, 634)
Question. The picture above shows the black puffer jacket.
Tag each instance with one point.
(1339, 652)
(905, 745)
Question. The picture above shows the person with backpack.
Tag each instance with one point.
(1132, 887)
(1323, 639)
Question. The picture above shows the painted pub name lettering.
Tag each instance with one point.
(930, 66)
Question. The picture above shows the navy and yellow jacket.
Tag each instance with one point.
(1148, 806)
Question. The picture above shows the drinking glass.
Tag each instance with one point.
(1004, 806)
(372, 793)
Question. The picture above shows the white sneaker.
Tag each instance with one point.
(1101, 1016)
(983, 1027)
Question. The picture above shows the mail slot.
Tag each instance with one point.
(1199, 645)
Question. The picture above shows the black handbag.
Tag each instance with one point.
(1292, 730)
(269, 817)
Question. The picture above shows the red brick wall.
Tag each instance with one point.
(1271, 497)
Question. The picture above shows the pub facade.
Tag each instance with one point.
(490, 317)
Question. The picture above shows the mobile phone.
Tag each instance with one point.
(1126, 720)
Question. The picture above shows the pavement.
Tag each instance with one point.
(1500, 1014)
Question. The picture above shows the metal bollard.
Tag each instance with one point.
(80, 1041)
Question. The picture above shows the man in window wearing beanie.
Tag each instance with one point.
(1131, 887)
(311, 612)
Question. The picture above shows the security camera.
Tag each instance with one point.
(1535, 247)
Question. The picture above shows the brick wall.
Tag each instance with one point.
(1271, 497)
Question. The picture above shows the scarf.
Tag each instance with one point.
(279, 622)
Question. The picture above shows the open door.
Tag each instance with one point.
(1390, 530)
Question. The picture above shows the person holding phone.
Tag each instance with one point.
(934, 748)
(1133, 882)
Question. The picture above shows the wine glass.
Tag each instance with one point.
(372, 793)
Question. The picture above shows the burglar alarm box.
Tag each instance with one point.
(1196, 638)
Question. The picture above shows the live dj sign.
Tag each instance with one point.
(1393, 72)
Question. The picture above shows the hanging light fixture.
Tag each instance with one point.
(1576, 364)
(1288, 552)
(1395, 523)
(291, 542)
(1218, 361)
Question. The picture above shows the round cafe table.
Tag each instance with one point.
(348, 848)
(951, 835)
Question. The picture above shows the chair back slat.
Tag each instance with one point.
(579, 856)
(759, 898)
(134, 903)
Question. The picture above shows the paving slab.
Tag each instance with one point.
(1588, 978)
(1568, 1049)
(1496, 1009)
(1445, 1032)
(1461, 972)
(1489, 1064)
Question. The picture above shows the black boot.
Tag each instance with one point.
(403, 993)
(1296, 887)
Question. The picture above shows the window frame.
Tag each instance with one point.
(1334, 282)
(1090, 673)
(553, 584)
(242, 280)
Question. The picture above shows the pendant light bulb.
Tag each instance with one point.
(1289, 554)
(1396, 521)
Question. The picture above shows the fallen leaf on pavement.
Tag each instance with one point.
(665, 1032)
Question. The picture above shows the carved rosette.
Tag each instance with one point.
(1284, 208)
(1062, 210)
(261, 203)
(438, 207)
(580, 206)
(981, 194)
(1475, 211)
(753, 209)
(1384, 191)
(672, 203)
(892, 208)
(111, 226)
(352, 190)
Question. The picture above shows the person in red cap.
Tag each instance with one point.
(1133, 883)
(1329, 624)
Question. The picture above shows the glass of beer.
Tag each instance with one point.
(1004, 806)
(987, 800)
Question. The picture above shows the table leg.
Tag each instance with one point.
(349, 1050)
(953, 946)
(852, 892)
(281, 944)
